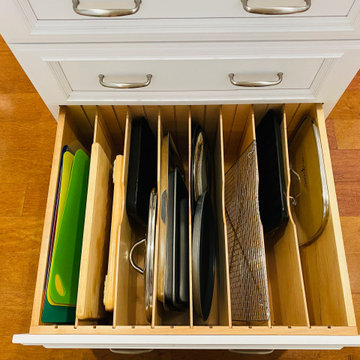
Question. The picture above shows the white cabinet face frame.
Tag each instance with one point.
(37, 21)
(48, 67)
(206, 342)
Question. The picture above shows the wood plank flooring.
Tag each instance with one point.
(27, 132)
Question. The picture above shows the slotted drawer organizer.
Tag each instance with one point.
(309, 286)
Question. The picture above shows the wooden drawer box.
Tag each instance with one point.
(316, 313)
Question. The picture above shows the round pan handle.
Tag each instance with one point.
(256, 83)
(276, 10)
(132, 262)
(106, 12)
(124, 85)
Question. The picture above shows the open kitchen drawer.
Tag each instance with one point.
(309, 291)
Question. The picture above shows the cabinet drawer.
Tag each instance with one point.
(191, 75)
(68, 74)
(313, 315)
(55, 10)
(232, 20)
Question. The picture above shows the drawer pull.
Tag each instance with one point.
(276, 10)
(124, 85)
(256, 83)
(130, 351)
(106, 12)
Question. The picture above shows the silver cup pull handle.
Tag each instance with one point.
(256, 83)
(124, 85)
(132, 262)
(106, 12)
(130, 351)
(276, 10)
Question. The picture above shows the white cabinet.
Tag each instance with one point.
(190, 73)
(158, 20)
(161, 9)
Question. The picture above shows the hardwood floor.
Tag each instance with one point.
(27, 132)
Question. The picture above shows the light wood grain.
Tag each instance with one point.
(324, 265)
(247, 133)
(283, 263)
(234, 120)
(116, 218)
(82, 125)
(109, 132)
(95, 247)
(66, 135)
(113, 128)
(197, 330)
(224, 286)
(129, 307)
(102, 134)
(294, 117)
(124, 308)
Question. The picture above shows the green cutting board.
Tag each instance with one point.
(64, 270)
(57, 314)
(68, 159)
(52, 313)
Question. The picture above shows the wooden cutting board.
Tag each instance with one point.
(117, 213)
(96, 237)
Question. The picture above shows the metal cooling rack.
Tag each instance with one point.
(248, 280)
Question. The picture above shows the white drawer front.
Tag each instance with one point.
(50, 21)
(191, 75)
(59, 10)
(214, 342)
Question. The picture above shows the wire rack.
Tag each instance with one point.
(248, 280)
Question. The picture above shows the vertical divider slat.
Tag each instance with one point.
(221, 220)
(155, 319)
(123, 314)
(95, 244)
(302, 297)
(191, 307)
(287, 307)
